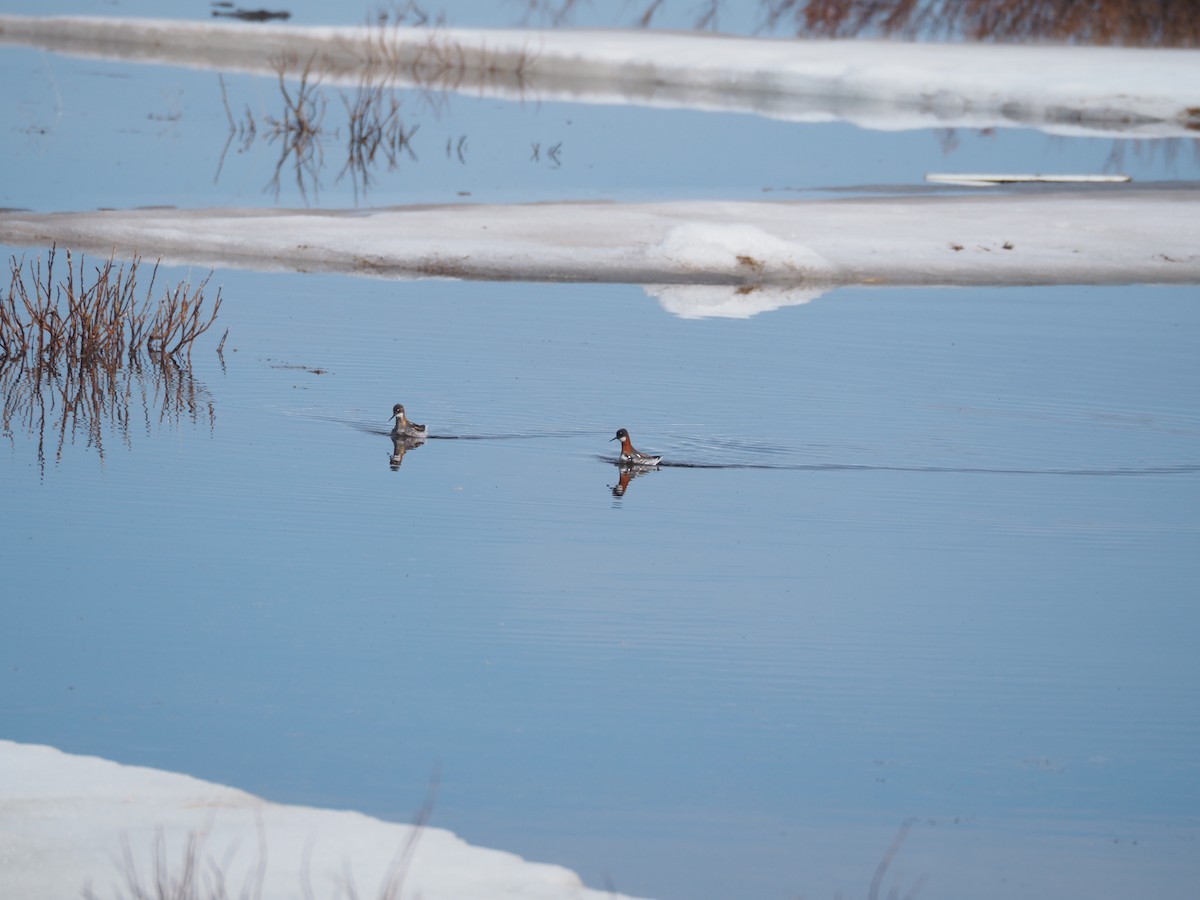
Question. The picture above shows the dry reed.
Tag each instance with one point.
(80, 355)
(84, 322)
(1165, 23)
(200, 875)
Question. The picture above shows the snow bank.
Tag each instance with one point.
(875, 84)
(65, 821)
(732, 246)
(1074, 237)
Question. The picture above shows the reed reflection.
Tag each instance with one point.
(82, 358)
(374, 130)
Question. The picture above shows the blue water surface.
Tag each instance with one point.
(721, 659)
(917, 555)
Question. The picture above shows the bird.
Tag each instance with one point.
(404, 428)
(630, 456)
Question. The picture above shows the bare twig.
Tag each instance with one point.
(73, 351)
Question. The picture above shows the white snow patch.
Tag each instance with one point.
(65, 821)
(715, 246)
(1117, 236)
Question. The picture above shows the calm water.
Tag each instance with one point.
(928, 555)
(690, 689)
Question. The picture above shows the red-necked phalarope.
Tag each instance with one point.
(630, 456)
(404, 428)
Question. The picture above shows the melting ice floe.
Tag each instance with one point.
(764, 259)
(704, 247)
(1117, 236)
(66, 819)
(766, 254)
(874, 84)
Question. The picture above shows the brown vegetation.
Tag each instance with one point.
(97, 322)
(82, 354)
(201, 875)
(1166, 23)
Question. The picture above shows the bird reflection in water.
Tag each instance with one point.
(628, 473)
(401, 444)
(405, 436)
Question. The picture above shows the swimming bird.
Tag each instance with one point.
(630, 456)
(404, 428)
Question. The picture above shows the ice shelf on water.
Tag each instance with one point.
(806, 246)
(874, 84)
(68, 822)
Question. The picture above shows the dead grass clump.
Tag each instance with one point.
(200, 875)
(97, 322)
(82, 355)
(1166, 23)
